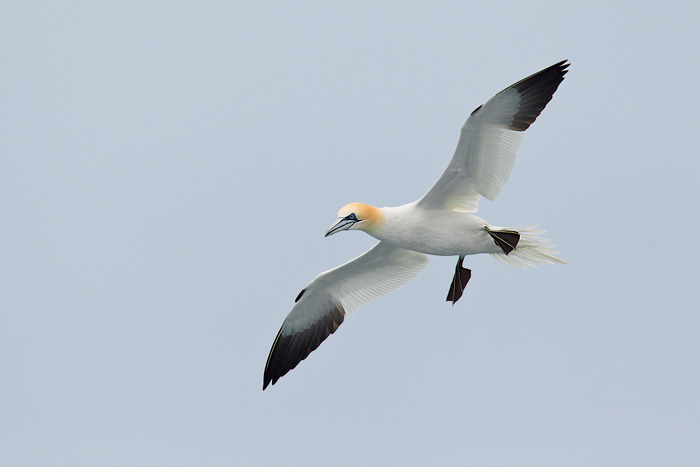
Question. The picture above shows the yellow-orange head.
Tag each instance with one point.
(356, 216)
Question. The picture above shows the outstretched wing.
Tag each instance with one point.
(322, 306)
(489, 142)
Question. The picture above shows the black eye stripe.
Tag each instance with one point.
(352, 217)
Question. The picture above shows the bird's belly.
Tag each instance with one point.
(457, 235)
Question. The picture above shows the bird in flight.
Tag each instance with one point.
(439, 223)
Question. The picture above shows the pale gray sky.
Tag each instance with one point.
(167, 173)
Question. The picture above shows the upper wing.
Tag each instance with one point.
(490, 140)
(322, 306)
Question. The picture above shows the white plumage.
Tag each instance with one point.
(437, 224)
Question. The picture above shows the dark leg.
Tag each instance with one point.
(506, 239)
(459, 282)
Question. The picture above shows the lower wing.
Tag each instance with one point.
(323, 304)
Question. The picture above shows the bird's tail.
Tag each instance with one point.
(531, 249)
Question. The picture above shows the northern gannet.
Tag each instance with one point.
(436, 224)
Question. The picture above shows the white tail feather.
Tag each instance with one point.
(531, 250)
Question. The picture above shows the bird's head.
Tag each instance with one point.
(356, 216)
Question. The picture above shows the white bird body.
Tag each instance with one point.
(440, 223)
(434, 232)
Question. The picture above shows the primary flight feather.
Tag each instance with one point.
(437, 224)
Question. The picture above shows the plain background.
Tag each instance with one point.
(167, 173)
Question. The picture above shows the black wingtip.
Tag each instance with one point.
(289, 350)
(535, 93)
(267, 375)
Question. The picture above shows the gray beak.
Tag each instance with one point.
(343, 224)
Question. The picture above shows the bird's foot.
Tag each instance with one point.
(507, 240)
(459, 281)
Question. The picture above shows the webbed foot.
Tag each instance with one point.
(506, 239)
(459, 282)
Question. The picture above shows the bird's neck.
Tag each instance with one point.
(387, 221)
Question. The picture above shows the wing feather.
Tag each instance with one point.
(489, 142)
(323, 305)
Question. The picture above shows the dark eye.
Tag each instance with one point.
(352, 217)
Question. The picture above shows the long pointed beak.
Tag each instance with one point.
(342, 224)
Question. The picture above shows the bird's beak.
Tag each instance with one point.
(343, 224)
